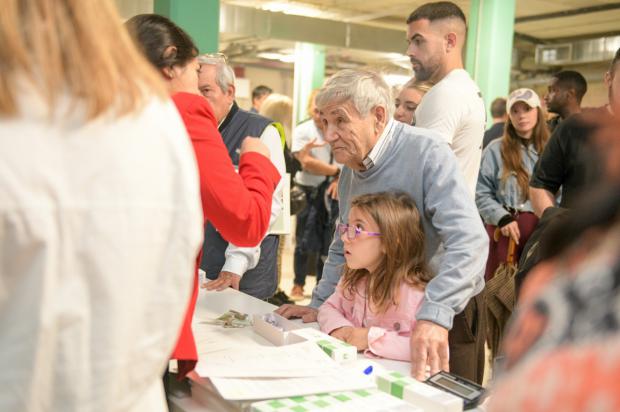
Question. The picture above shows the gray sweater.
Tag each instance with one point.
(419, 162)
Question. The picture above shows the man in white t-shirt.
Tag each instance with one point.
(454, 106)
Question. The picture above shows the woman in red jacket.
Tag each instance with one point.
(238, 205)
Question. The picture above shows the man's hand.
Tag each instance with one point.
(332, 190)
(429, 346)
(304, 154)
(223, 281)
(511, 230)
(306, 313)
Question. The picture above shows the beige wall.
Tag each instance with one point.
(281, 81)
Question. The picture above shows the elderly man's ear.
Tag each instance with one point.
(379, 113)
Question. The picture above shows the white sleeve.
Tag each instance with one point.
(439, 111)
(301, 137)
(241, 259)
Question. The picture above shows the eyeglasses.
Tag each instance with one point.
(354, 231)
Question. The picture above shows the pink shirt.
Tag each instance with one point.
(389, 333)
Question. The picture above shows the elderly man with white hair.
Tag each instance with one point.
(381, 154)
(251, 270)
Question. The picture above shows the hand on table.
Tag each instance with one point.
(429, 346)
(223, 281)
(306, 313)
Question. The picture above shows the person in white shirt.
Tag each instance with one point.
(454, 106)
(318, 178)
(252, 270)
(100, 216)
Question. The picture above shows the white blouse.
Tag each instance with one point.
(100, 225)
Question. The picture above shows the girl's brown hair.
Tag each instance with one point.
(73, 47)
(402, 238)
(511, 151)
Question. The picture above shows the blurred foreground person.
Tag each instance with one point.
(562, 351)
(100, 213)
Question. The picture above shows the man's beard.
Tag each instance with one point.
(422, 72)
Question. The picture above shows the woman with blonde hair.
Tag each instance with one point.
(408, 99)
(100, 213)
(507, 164)
(279, 108)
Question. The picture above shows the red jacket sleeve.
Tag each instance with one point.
(238, 205)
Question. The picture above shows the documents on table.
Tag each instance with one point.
(290, 361)
(343, 379)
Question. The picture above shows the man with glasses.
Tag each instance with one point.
(251, 270)
(381, 154)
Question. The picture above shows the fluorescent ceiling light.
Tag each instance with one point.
(286, 58)
(297, 9)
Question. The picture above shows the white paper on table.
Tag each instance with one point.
(289, 361)
(343, 378)
(246, 389)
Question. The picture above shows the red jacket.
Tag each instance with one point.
(237, 204)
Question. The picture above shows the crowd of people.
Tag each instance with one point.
(107, 180)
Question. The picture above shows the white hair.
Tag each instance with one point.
(364, 89)
(224, 74)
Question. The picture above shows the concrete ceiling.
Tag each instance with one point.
(537, 21)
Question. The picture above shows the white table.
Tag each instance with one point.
(208, 337)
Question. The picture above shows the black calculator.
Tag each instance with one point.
(469, 391)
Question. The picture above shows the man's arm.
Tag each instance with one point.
(454, 217)
(241, 259)
(549, 172)
(460, 273)
(541, 200)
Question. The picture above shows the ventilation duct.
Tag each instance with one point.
(246, 21)
(578, 52)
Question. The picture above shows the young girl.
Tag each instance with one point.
(382, 287)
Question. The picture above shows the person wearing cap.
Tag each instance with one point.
(507, 163)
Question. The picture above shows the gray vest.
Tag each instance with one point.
(260, 282)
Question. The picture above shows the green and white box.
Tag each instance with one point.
(350, 401)
(338, 350)
(418, 393)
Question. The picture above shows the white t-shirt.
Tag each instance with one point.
(454, 108)
(100, 226)
(302, 135)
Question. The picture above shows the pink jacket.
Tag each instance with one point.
(388, 334)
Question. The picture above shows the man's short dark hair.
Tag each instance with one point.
(570, 79)
(437, 11)
(260, 91)
(498, 108)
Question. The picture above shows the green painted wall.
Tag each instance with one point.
(199, 18)
(309, 75)
(488, 55)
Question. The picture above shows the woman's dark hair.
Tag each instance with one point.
(163, 43)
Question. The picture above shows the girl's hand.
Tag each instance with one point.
(511, 230)
(342, 333)
(359, 338)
